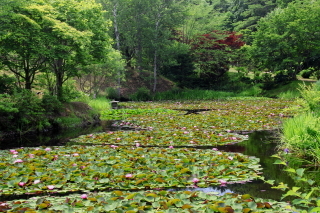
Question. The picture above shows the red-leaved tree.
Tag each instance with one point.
(214, 52)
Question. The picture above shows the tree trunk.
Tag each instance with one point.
(59, 73)
(116, 31)
(155, 72)
(155, 53)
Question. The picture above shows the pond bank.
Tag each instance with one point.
(72, 115)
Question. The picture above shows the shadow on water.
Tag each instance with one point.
(261, 144)
(55, 137)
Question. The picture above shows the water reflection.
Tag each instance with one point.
(261, 144)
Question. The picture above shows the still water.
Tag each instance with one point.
(261, 144)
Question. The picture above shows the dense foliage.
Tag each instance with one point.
(190, 42)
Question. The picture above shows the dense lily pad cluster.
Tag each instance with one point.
(110, 167)
(163, 138)
(149, 201)
(161, 153)
(234, 115)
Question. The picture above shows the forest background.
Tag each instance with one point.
(66, 50)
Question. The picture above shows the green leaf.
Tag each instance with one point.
(300, 172)
(290, 170)
(280, 162)
(316, 209)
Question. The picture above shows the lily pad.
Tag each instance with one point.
(62, 169)
(148, 201)
(162, 138)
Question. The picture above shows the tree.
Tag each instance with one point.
(21, 39)
(77, 38)
(144, 30)
(162, 16)
(94, 76)
(58, 35)
(288, 40)
(214, 52)
(199, 17)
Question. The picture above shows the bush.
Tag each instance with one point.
(7, 84)
(51, 104)
(281, 78)
(70, 92)
(307, 73)
(7, 106)
(143, 94)
(267, 81)
(112, 93)
(311, 94)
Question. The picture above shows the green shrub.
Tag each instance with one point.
(307, 72)
(51, 104)
(143, 94)
(7, 84)
(22, 111)
(112, 93)
(311, 94)
(7, 106)
(70, 92)
(254, 90)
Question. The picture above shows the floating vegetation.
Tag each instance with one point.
(63, 169)
(130, 171)
(148, 201)
(162, 138)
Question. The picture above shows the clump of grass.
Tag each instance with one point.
(100, 104)
(301, 134)
(290, 94)
(68, 122)
(194, 94)
(142, 94)
(252, 91)
(311, 94)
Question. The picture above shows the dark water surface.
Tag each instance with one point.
(261, 144)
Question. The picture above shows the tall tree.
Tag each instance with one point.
(214, 52)
(77, 38)
(144, 28)
(162, 17)
(21, 39)
(288, 38)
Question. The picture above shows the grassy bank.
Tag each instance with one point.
(301, 134)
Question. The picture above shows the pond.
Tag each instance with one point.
(261, 144)
(169, 160)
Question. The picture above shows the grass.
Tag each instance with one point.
(99, 104)
(195, 94)
(301, 134)
(290, 90)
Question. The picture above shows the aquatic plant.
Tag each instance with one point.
(74, 168)
(148, 201)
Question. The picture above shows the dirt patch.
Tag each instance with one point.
(133, 81)
(80, 110)
(136, 80)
